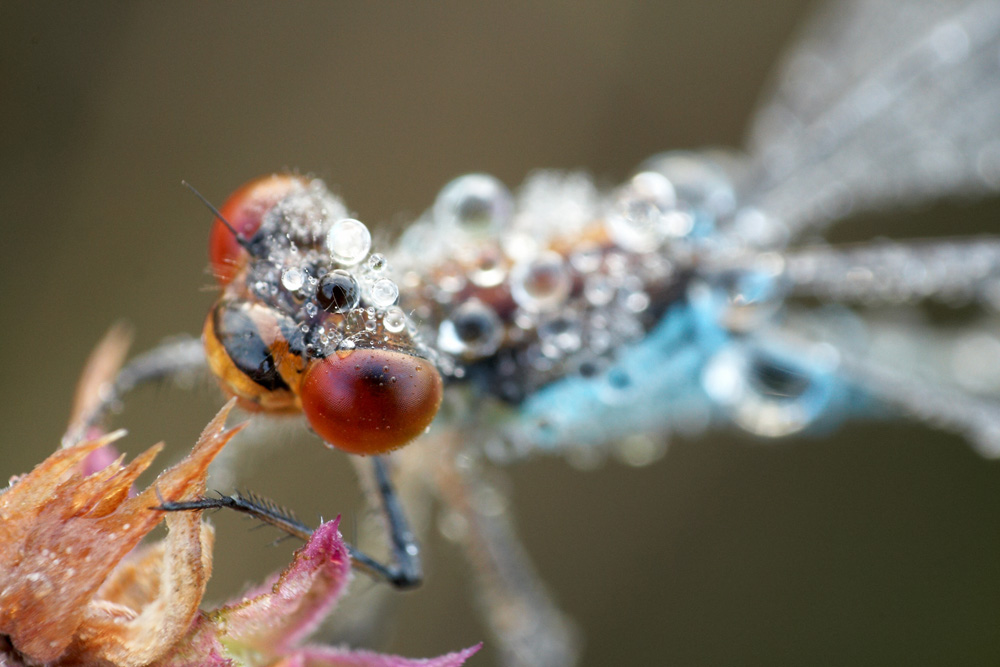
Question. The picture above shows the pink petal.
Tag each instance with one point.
(303, 595)
(99, 459)
(329, 656)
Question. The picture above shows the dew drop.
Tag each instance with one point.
(473, 203)
(564, 333)
(586, 260)
(473, 330)
(765, 394)
(749, 296)
(453, 526)
(489, 269)
(598, 290)
(640, 449)
(293, 278)
(542, 283)
(338, 292)
(348, 241)
(384, 293)
(377, 262)
(637, 302)
(394, 320)
(450, 279)
(641, 219)
(701, 184)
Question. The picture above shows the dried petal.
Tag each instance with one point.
(75, 588)
(100, 370)
(132, 636)
(62, 535)
(29, 493)
(99, 459)
(53, 555)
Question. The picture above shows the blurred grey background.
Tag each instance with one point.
(879, 544)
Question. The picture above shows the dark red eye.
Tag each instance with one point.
(244, 210)
(370, 401)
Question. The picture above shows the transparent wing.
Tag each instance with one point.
(880, 103)
(950, 271)
(942, 377)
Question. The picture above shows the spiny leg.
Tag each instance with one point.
(185, 355)
(404, 572)
(405, 551)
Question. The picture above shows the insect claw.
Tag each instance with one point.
(281, 539)
(159, 497)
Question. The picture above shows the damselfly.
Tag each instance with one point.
(569, 319)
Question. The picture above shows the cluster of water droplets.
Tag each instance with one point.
(559, 279)
(521, 274)
(549, 282)
(319, 264)
(738, 289)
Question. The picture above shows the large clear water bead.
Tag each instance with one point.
(384, 293)
(348, 241)
(394, 320)
(474, 204)
(644, 214)
(293, 278)
(338, 292)
(702, 186)
(542, 283)
(767, 394)
(473, 330)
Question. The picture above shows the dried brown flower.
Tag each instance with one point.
(73, 587)
(77, 588)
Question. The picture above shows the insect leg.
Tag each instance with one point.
(405, 551)
(170, 359)
(404, 572)
(515, 603)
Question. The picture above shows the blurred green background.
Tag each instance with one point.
(876, 545)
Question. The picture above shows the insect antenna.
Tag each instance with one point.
(245, 243)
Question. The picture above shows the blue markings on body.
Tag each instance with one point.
(685, 375)
(652, 386)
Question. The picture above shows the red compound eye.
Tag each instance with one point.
(244, 210)
(370, 401)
